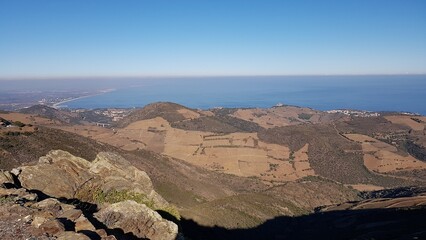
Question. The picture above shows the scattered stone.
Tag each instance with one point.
(82, 223)
(71, 214)
(68, 235)
(102, 233)
(110, 237)
(107, 183)
(17, 194)
(28, 219)
(52, 227)
(41, 218)
(49, 204)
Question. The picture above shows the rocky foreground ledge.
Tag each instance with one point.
(66, 197)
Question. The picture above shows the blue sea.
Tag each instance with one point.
(373, 93)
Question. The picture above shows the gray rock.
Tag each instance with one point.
(17, 194)
(106, 180)
(60, 174)
(52, 227)
(72, 214)
(68, 235)
(41, 217)
(82, 223)
(5, 178)
(137, 219)
(50, 204)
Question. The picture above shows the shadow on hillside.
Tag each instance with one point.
(348, 224)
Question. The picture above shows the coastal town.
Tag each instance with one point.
(355, 113)
(112, 114)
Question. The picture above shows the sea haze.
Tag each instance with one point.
(374, 93)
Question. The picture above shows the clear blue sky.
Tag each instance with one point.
(219, 37)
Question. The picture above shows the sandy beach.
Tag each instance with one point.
(58, 105)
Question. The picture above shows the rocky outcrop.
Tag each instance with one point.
(58, 174)
(120, 196)
(109, 178)
(138, 219)
(47, 219)
(118, 174)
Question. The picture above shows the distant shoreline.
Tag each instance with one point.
(404, 94)
(58, 104)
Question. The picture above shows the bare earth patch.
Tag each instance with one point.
(408, 121)
(282, 116)
(382, 157)
(188, 114)
(366, 187)
(241, 154)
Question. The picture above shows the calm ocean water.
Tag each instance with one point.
(374, 93)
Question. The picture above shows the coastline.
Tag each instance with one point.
(397, 95)
(58, 104)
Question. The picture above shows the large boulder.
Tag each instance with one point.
(123, 193)
(118, 175)
(138, 220)
(58, 174)
(108, 179)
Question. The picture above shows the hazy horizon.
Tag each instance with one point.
(373, 93)
(65, 78)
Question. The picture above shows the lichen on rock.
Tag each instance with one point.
(60, 174)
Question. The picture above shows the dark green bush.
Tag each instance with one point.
(19, 124)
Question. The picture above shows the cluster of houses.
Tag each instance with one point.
(355, 113)
(115, 114)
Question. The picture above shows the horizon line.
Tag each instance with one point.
(94, 77)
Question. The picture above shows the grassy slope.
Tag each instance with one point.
(15, 150)
(215, 198)
(194, 190)
(327, 154)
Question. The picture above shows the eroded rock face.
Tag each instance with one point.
(71, 183)
(60, 174)
(138, 219)
(119, 175)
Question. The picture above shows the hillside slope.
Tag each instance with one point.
(241, 168)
